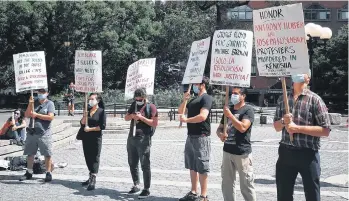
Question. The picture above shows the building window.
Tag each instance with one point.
(317, 12)
(254, 66)
(240, 13)
(343, 13)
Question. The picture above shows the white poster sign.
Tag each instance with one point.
(281, 46)
(88, 71)
(197, 61)
(231, 58)
(140, 74)
(30, 71)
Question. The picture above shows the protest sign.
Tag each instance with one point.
(281, 47)
(197, 61)
(30, 71)
(88, 71)
(231, 58)
(140, 74)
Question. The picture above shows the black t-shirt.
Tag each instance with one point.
(239, 143)
(194, 106)
(99, 118)
(141, 127)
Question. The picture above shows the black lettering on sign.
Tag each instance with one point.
(239, 52)
(271, 14)
(271, 66)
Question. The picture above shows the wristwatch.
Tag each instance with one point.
(282, 121)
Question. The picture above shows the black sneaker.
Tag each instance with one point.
(144, 194)
(134, 190)
(48, 177)
(26, 176)
(189, 197)
(202, 198)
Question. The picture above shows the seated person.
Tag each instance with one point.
(15, 130)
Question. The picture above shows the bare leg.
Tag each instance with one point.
(48, 163)
(72, 108)
(203, 183)
(30, 162)
(194, 177)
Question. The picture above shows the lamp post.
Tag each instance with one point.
(314, 34)
(67, 44)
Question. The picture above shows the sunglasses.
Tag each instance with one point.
(17, 113)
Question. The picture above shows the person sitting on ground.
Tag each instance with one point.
(15, 130)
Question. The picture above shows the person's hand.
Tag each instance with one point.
(33, 115)
(183, 118)
(288, 118)
(292, 128)
(31, 99)
(85, 114)
(87, 129)
(14, 128)
(223, 136)
(138, 116)
(186, 96)
(227, 112)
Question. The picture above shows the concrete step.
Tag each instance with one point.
(118, 131)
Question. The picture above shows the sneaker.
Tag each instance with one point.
(144, 194)
(26, 176)
(202, 198)
(48, 177)
(20, 143)
(189, 197)
(134, 190)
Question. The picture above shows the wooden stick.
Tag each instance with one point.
(287, 108)
(226, 104)
(185, 105)
(13, 119)
(86, 110)
(134, 122)
(32, 95)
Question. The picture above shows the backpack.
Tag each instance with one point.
(17, 163)
(148, 115)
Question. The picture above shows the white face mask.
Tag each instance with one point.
(93, 102)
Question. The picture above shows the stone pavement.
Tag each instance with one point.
(169, 178)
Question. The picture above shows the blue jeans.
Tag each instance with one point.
(18, 134)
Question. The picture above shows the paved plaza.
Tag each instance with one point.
(169, 178)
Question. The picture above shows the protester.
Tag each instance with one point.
(91, 137)
(17, 131)
(307, 121)
(198, 144)
(237, 150)
(70, 96)
(41, 135)
(138, 146)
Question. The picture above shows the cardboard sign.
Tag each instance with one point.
(30, 71)
(231, 58)
(281, 46)
(88, 71)
(140, 74)
(197, 61)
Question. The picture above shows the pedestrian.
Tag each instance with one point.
(15, 130)
(237, 150)
(138, 146)
(70, 97)
(198, 144)
(40, 137)
(307, 121)
(91, 137)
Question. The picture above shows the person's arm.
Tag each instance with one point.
(50, 113)
(23, 124)
(206, 103)
(245, 123)
(29, 109)
(83, 119)
(182, 107)
(102, 122)
(153, 121)
(129, 115)
(278, 125)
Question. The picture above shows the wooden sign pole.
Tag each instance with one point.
(86, 110)
(287, 108)
(226, 104)
(185, 104)
(32, 95)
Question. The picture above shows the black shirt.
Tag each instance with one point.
(99, 118)
(194, 106)
(141, 127)
(239, 143)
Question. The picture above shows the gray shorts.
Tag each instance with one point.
(197, 154)
(35, 142)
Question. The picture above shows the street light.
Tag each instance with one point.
(67, 44)
(315, 33)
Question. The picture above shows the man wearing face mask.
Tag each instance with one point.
(237, 150)
(308, 121)
(138, 146)
(198, 144)
(41, 136)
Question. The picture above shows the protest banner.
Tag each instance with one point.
(281, 46)
(30, 71)
(231, 58)
(140, 74)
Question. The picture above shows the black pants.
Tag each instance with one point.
(138, 149)
(290, 163)
(92, 146)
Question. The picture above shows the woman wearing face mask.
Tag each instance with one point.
(15, 131)
(92, 137)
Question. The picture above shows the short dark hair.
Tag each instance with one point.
(140, 92)
(206, 81)
(243, 90)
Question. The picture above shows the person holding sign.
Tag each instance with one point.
(198, 144)
(237, 150)
(308, 120)
(40, 137)
(91, 137)
(138, 146)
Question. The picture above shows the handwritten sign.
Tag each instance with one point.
(231, 58)
(30, 71)
(197, 61)
(281, 47)
(140, 74)
(88, 71)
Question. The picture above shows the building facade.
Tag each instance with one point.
(332, 14)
